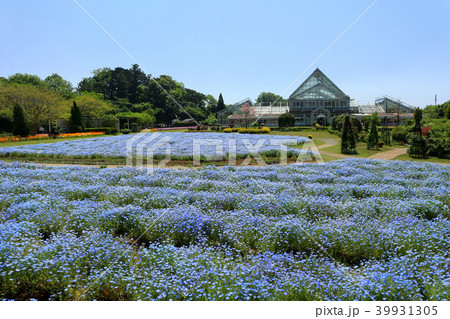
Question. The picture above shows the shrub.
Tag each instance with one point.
(98, 129)
(109, 120)
(349, 152)
(263, 130)
(184, 124)
(54, 131)
(334, 132)
(112, 132)
(418, 147)
(134, 127)
(399, 134)
(438, 147)
(125, 131)
(286, 120)
(242, 130)
(231, 130)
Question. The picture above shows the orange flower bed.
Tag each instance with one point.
(45, 136)
(81, 134)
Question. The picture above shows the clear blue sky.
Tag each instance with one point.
(240, 48)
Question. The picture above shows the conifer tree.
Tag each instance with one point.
(373, 139)
(76, 118)
(348, 138)
(220, 104)
(20, 125)
(386, 136)
(418, 145)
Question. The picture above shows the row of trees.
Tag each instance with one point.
(107, 93)
(428, 133)
(131, 90)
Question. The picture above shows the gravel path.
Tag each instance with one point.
(389, 155)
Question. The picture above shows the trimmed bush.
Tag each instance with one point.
(286, 120)
(98, 129)
(243, 130)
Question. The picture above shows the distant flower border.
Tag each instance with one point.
(45, 136)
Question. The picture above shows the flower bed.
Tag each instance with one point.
(181, 145)
(348, 230)
(45, 136)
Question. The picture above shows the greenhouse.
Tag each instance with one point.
(317, 100)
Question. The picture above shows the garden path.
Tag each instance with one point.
(329, 142)
(389, 155)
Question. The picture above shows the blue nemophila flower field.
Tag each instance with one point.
(355, 229)
(181, 146)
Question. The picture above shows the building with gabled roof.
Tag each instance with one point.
(317, 100)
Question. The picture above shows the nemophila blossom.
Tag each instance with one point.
(181, 146)
(355, 229)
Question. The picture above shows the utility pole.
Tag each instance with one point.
(435, 99)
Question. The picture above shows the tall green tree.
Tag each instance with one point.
(418, 118)
(93, 104)
(211, 103)
(374, 137)
(40, 105)
(220, 104)
(386, 135)
(138, 79)
(24, 78)
(268, 97)
(56, 83)
(418, 146)
(20, 124)
(348, 137)
(76, 118)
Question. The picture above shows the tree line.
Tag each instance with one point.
(105, 94)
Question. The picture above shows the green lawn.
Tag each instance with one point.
(406, 157)
(328, 158)
(361, 148)
(315, 134)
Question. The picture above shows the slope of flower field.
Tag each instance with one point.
(355, 229)
(182, 145)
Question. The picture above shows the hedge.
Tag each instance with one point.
(242, 130)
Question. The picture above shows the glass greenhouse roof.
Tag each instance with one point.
(318, 86)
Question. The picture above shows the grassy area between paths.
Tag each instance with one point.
(406, 157)
(361, 148)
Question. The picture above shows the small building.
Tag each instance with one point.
(265, 114)
(222, 116)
